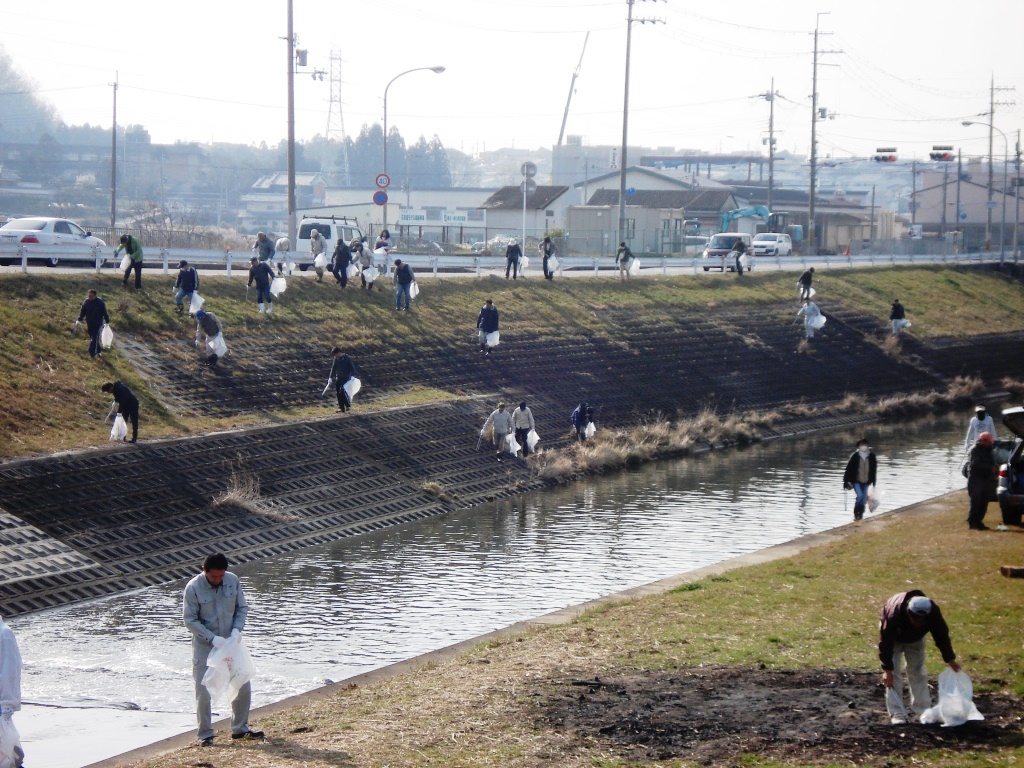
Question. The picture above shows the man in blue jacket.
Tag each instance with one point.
(486, 322)
(262, 274)
(186, 284)
(214, 610)
(94, 312)
(125, 403)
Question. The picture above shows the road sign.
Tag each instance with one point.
(528, 169)
(631, 191)
(380, 197)
(991, 204)
(963, 216)
(528, 186)
(383, 180)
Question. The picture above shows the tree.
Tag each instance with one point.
(24, 117)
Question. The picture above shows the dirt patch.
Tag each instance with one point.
(713, 715)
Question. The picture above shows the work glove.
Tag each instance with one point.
(235, 634)
(218, 641)
(6, 712)
(847, 486)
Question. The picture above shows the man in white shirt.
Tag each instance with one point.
(981, 422)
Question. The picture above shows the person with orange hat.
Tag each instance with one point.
(981, 468)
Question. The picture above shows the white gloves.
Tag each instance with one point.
(235, 634)
(218, 641)
(6, 712)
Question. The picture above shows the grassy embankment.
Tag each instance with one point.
(815, 610)
(50, 387)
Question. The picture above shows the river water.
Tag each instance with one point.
(334, 611)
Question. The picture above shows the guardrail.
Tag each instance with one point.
(444, 263)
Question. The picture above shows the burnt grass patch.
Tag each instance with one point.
(714, 715)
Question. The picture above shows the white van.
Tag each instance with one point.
(330, 228)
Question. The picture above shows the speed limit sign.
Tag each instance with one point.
(383, 180)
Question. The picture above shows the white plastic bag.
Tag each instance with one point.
(874, 498)
(196, 303)
(800, 287)
(353, 271)
(106, 336)
(370, 274)
(320, 262)
(352, 387)
(904, 323)
(125, 262)
(956, 705)
(590, 430)
(380, 251)
(552, 264)
(634, 266)
(744, 262)
(532, 438)
(217, 346)
(278, 286)
(524, 262)
(228, 668)
(414, 290)
(492, 339)
(816, 322)
(511, 445)
(11, 753)
(119, 431)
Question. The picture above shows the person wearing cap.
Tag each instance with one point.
(94, 312)
(208, 325)
(861, 472)
(981, 468)
(340, 260)
(486, 322)
(896, 316)
(362, 253)
(622, 257)
(982, 421)
(130, 246)
(811, 313)
(500, 421)
(512, 254)
(522, 422)
(903, 623)
(403, 279)
(805, 283)
(261, 273)
(265, 250)
(186, 284)
(547, 250)
(316, 248)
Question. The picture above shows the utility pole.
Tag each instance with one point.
(945, 186)
(913, 192)
(992, 104)
(770, 98)
(872, 217)
(959, 175)
(113, 162)
(291, 128)
(812, 234)
(1016, 195)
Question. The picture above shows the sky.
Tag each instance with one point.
(892, 74)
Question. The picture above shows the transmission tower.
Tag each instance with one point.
(336, 124)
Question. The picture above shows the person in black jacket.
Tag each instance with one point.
(186, 284)
(981, 466)
(512, 254)
(404, 278)
(861, 473)
(805, 283)
(897, 316)
(94, 312)
(262, 274)
(547, 250)
(124, 403)
(581, 416)
(340, 260)
(343, 369)
(486, 322)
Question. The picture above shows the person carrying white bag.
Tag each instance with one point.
(343, 376)
(11, 753)
(126, 406)
(316, 252)
(500, 424)
(214, 610)
(209, 327)
(522, 422)
(487, 326)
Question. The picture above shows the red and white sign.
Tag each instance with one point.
(383, 180)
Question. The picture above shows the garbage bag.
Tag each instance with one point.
(125, 262)
(634, 266)
(816, 322)
(744, 262)
(217, 346)
(590, 430)
(228, 668)
(320, 262)
(414, 290)
(106, 336)
(119, 431)
(532, 438)
(552, 264)
(904, 323)
(11, 753)
(800, 288)
(196, 303)
(370, 274)
(956, 705)
(874, 498)
(352, 271)
(511, 445)
(492, 339)
(352, 387)
(380, 251)
(524, 262)
(278, 286)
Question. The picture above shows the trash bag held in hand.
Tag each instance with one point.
(956, 705)
(511, 445)
(492, 339)
(125, 262)
(590, 430)
(370, 273)
(414, 290)
(11, 753)
(904, 323)
(634, 266)
(532, 438)
(874, 498)
(352, 387)
(217, 346)
(552, 264)
(228, 668)
(352, 271)
(816, 322)
(119, 431)
(196, 303)
(320, 262)
(278, 285)
(524, 262)
(106, 336)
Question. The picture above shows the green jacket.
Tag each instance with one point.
(132, 248)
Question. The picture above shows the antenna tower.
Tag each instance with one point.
(336, 124)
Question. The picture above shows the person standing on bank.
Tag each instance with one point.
(805, 283)
(124, 403)
(896, 317)
(904, 621)
(10, 685)
(811, 313)
(512, 254)
(522, 422)
(208, 325)
(186, 284)
(738, 249)
(261, 273)
(861, 473)
(360, 251)
(622, 257)
(340, 260)
(500, 421)
(214, 610)
(981, 468)
(404, 279)
(265, 250)
(342, 369)
(581, 416)
(982, 421)
(94, 312)
(547, 250)
(131, 247)
(316, 248)
(486, 322)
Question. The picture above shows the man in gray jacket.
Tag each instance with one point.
(215, 609)
(501, 422)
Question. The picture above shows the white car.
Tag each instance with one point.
(772, 244)
(44, 230)
(331, 228)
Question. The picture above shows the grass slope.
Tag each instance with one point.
(51, 389)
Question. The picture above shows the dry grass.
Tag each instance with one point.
(1013, 386)
(243, 491)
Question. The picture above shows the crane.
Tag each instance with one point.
(572, 87)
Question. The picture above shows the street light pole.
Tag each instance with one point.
(291, 127)
(1006, 170)
(1016, 195)
(437, 70)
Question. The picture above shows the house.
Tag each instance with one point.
(935, 209)
(543, 209)
(265, 205)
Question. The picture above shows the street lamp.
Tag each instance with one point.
(437, 70)
(988, 220)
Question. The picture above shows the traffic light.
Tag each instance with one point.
(942, 154)
(885, 155)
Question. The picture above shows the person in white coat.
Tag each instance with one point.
(501, 422)
(981, 422)
(316, 248)
(10, 685)
(810, 312)
(522, 422)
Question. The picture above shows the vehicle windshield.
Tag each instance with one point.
(723, 241)
(765, 237)
(36, 224)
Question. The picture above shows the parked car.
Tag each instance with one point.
(1010, 492)
(330, 229)
(773, 244)
(45, 230)
(717, 254)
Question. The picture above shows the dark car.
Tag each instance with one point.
(1010, 492)
(718, 254)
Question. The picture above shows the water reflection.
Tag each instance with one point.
(334, 611)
